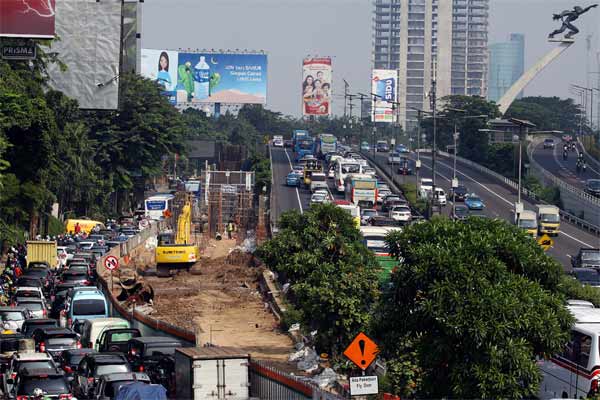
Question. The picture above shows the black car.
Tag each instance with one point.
(404, 167)
(382, 220)
(109, 385)
(55, 340)
(459, 193)
(52, 382)
(30, 325)
(77, 278)
(460, 212)
(31, 281)
(93, 366)
(586, 258)
(587, 276)
(69, 360)
(592, 186)
(116, 340)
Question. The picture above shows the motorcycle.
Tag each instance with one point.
(565, 155)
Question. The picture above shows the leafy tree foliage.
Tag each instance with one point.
(333, 275)
(547, 113)
(475, 302)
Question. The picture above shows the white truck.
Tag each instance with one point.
(318, 180)
(212, 373)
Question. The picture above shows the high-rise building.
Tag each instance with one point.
(507, 64)
(418, 37)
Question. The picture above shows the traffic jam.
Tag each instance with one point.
(58, 338)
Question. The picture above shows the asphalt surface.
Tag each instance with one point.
(499, 202)
(552, 161)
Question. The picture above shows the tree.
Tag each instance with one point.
(547, 113)
(333, 275)
(476, 302)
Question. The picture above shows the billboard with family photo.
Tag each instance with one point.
(207, 77)
(385, 84)
(316, 86)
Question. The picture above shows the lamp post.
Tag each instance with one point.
(521, 124)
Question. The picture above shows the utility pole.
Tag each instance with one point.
(346, 87)
(433, 95)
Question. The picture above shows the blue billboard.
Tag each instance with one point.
(208, 77)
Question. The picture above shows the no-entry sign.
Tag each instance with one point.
(111, 263)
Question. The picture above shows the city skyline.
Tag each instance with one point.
(324, 28)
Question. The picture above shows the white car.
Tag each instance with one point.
(278, 143)
(319, 197)
(440, 197)
(36, 307)
(63, 255)
(28, 292)
(366, 214)
(382, 194)
(427, 184)
(400, 213)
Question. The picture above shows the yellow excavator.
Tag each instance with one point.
(174, 250)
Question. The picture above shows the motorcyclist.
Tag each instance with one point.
(583, 166)
(565, 154)
(578, 166)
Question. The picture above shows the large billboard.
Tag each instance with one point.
(316, 86)
(27, 18)
(208, 77)
(385, 85)
(89, 45)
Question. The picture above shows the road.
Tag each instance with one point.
(552, 161)
(499, 201)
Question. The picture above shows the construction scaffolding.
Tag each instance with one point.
(228, 196)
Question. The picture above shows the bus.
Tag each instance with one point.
(156, 206)
(374, 239)
(297, 135)
(304, 146)
(361, 190)
(326, 143)
(352, 209)
(343, 168)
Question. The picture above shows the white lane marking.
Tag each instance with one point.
(504, 200)
(297, 192)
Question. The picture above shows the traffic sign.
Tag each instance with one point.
(362, 385)
(111, 263)
(546, 242)
(362, 351)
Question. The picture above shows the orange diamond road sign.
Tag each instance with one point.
(362, 351)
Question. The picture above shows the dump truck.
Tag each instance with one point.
(175, 250)
(42, 251)
(548, 219)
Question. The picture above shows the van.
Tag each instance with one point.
(86, 305)
(93, 328)
(86, 225)
(575, 372)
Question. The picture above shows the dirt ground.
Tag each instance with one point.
(221, 295)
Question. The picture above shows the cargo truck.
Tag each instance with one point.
(42, 251)
(212, 372)
(528, 222)
(548, 219)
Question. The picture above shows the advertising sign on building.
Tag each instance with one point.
(27, 18)
(385, 85)
(316, 86)
(207, 77)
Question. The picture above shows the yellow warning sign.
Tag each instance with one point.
(546, 242)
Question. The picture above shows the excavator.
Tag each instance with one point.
(174, 250)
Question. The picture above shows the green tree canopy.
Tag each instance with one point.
(547, 113)
(475, 303)
(333, 275)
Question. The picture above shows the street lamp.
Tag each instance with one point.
(521, 124)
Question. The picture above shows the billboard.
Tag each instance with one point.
(385, 84)
(196, 78)
(27, 18)
(316, 86)
(89, 45)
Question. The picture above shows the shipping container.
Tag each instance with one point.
(42, 250)
(212, 372)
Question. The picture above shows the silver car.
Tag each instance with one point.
(13, 317)
(37, 307)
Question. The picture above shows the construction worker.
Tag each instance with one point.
(230, 228)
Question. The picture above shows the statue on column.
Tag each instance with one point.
(567, 17)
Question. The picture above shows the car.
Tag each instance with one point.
(29, 281)
(382, 147)
(54, 340)
(394, 158)
(93, 328)
(459, 193)
(116, 339)
(382, 194)
(75, 277)
(37, 307)
(400, 213)
(293, 178)
(108, 386)
(30, 325)
(69, 360)
(473, 202)
(586, 258)
(320, 197)
(288, 143)
(587, 276)
(404, 167)
(364, 146)
(52, 383)
(391, 201)
(92, 366)
(277, 142)
(368, 171)
(382, 220)
(86, 305)
(549, 143)
(28, 292)
(402, 149)
(13, 317)
(460, 212)
(592, 186)
(366, 214)
(22, 360)
(440, 197)
(426, 184)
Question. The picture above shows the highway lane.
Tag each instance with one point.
(552, 161)
(499, 201)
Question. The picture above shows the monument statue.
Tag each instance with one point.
(567, 17)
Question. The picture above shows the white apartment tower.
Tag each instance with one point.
(416, 37)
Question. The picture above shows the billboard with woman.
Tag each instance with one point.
(316, 86)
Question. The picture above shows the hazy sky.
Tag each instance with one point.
(289, 30)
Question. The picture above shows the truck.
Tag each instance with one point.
(42, 251)
(297, 135)
(212, 372)
(548, 218)
(327, 143)
(174, 249)
(318, 180)
(528, 222)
